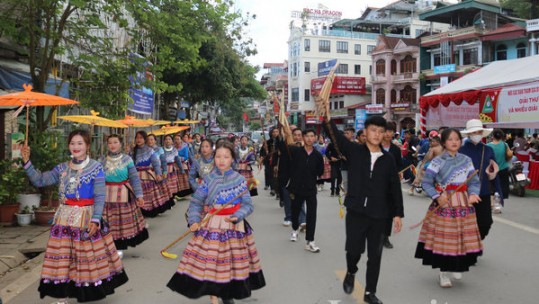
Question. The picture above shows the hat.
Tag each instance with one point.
(474, 125)
(432, 134)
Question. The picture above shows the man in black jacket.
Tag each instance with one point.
(306, 165)
(373, 195)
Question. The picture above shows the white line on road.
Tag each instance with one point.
(516, 225)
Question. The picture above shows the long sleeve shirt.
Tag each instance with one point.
(147, 157)
(304, 168)
(120, 168)
(199, 169)
(475, 152)
(89, 184)
(219, 188)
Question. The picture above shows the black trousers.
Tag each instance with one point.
(268, 175)
(297, 203)
(389, 227)
(336, 179)
(483, 212)
(361, 228)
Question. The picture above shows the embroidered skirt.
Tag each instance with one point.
(183, 182)
(156, 201)
(76, 265)
(221, 260)
(127, 225)
(449, 239)
(172, 181)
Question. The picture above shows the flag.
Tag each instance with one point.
(245, 117)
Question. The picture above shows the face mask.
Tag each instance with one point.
(476, 138)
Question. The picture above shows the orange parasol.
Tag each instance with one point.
(158, 122)
(94, 119)
(132, 121)
(169, 130)
(186, 121)
(27, 99)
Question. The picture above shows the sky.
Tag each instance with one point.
(270, 28)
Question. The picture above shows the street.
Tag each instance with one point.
(507, 272)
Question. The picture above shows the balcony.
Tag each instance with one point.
(457, 34)
(406, 78)
(376, 79)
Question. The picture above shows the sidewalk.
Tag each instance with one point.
(18, 248)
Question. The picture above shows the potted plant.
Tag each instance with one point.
(24, 217)
(12, 181)
(30, 196)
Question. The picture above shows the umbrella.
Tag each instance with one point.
(169, 130)
(158, 122)
(27, 99)
(186, 121)
(132, 121)
(94, 120)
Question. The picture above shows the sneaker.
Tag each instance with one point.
(387, 243)
(294, 236)
(371, 298)
(348, 283)
(497, 210)
(302, 227)
(457, 275)
(287, 223)
(411, 191)
(311, 246)
(147, 225)
(445, 281)
(272, 193)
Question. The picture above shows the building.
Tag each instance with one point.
(532, 27)
(479, 33)
(275, 81)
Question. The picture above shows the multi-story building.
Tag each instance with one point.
(275, 81)
(532, 27)
(479, 33)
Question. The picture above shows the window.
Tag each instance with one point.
(408, 94)
(294, 69)
(342, 47)
(393, 96)
(307, 45)
(342, 69)
(341, 104)
(370, 48)
(437, 59)
(521, 50)
(470, 56)
(307, 66)
(370, 69)
(381, 67)
(357, 49)
(295, 94)
(393, 67)
(307, 95)
(501, 52)
(408, 65)
(380, 96)
(324, 46)
(335, 105)
(357, 69)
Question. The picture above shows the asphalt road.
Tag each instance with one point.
(508, 272)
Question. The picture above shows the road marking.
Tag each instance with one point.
(516, 225)
(359, 290)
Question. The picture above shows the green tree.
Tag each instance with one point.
(525, 9)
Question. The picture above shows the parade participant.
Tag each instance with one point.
(246, 158)
(203, 165)
(374, 194)
(149, 169)
(321, 146)
(183, 152)
(449, 238)
(80, 260)
(306, 165)
(436, 149)
(269, 157)
(197, 140)
(502, 154)
(395, 151)
(123, 197)
(360, 137)
(284, 177)
(151, 141)
(483, 160)
(221, 259)
(349, 134)
(336, 175)
(174, 165)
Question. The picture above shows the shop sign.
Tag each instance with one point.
(345, 85)
(374, 109)
(444, 69)
(400, 107)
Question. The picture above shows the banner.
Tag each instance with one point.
(142, 96)
(361, 116)
(325, 67)
(518, 104)
(345, 85)
(451, 116)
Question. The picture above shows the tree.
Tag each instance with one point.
(525, 9)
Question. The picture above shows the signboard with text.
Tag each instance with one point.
(325, 67)
(374, 108)
(141, 94)
(444, 69)
(451, 116)
(513, 104)
(345, 85)
(361, 116)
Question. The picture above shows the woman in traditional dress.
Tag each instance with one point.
(246, 158)
(449, 238)
(183, 153)
(321, 147)
(123, 197)
(174, 165)
(203, 165)
(151, 141)
(221, 259)
(149, 169)
(80, 260)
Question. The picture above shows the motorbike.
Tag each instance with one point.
(517, 180)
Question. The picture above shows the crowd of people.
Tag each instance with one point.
(104, 202)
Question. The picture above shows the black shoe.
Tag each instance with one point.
(272, 193)
(387, 243)
(228, 301)
(371, 299)
(281, 203)
(348, 283)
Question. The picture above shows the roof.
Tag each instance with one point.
(273, 65)
(465, 10)
(507, 31)
(391, 42)
(496, 74)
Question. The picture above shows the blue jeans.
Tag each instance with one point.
(288, 207)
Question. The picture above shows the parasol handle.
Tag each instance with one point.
(27, 116)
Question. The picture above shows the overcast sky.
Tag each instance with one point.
(270, 28)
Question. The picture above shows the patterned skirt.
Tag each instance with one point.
(76, 265)
(172, 180)
(221, 260)
(156, 201)
(183, 182)
(449, 239)
(127, 225)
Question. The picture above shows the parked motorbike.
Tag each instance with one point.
(517, 180)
